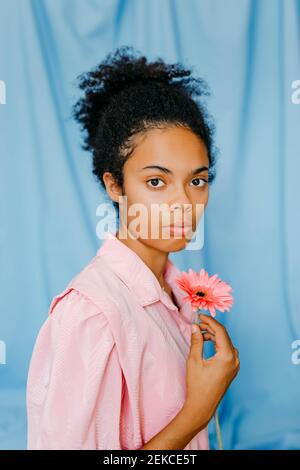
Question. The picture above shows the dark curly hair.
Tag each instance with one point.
(125, 95)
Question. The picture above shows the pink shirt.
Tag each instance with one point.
(108, 366)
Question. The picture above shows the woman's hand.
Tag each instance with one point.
(208, 379)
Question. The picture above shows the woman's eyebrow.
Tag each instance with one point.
(166, 170)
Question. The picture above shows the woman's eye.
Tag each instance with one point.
(155, 181)
(202, 181)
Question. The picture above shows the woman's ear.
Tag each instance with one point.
(112, 188)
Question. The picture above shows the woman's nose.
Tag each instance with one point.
(181, 203)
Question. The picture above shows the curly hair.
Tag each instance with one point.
(125, 95)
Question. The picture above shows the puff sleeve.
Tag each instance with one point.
(74, 383)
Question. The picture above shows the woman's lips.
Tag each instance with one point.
(178, 229)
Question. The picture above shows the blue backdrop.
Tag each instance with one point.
(249, 52)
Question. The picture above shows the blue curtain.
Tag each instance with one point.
(249, 53)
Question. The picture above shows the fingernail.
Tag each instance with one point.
(195, 328)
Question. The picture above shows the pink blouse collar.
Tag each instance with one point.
(137, 276)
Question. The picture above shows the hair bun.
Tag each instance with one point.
(124, 67)
(121, 69)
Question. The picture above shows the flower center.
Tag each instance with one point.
(201, 294)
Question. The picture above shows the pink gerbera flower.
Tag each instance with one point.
(208, 293)
(205, 292)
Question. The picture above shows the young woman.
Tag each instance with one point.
(116, 364)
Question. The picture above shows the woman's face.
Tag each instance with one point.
(165, 182)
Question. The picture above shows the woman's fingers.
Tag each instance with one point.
(223, 342)
(207, 332)
(205, 326)
(208, 337)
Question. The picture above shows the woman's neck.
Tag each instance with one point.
(155, 260)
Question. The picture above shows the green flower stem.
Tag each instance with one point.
(218, 430)
(216, 418)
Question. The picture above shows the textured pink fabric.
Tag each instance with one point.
(108, 366)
